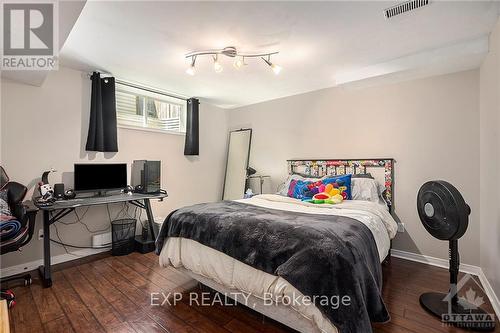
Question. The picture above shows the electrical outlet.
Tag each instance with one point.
(401, 227)
(40, 234)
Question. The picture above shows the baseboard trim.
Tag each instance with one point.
(488, 289)
(32, 265)
(465, 268)
(438, 262)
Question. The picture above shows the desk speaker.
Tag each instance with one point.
(59, 191)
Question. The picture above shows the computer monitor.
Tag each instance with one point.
(93, 177)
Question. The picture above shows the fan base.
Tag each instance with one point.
(473, 319)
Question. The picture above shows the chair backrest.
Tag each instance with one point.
(4, 178)
(15, 194)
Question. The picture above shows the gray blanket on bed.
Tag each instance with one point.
(325, 256)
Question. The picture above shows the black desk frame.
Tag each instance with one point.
(45, 270)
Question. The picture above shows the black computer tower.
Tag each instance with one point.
(147, 174)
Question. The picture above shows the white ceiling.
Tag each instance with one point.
(321, 44)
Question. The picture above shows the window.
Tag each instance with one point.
(140, 108)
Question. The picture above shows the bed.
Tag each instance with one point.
(274, 250)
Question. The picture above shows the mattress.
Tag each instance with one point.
(235, 275)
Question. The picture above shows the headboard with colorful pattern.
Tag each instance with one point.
(320, 168)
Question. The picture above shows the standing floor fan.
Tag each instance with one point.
(445, 215)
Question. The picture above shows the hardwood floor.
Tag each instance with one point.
(112, 294)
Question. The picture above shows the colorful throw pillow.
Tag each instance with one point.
(285, 186)
(299, 189)
(291, 188)
(343, 183)
(305, 190)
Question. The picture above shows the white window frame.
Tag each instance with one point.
(141, 90)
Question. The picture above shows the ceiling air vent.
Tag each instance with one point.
(404, 7)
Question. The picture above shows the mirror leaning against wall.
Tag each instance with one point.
(238, 156)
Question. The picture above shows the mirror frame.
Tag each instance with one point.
(227, 156)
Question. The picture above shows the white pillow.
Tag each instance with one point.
(367, 189)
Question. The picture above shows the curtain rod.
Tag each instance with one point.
(153, 90)
(146, 88)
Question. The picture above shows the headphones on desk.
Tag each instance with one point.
(138, 189)
(128, 189)
(69, 194)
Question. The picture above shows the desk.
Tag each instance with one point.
(62, 208)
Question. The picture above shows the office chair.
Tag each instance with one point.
(25, 213)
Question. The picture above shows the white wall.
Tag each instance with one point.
(45, 127)
(430, 126)
(490, 150)
(0, 123)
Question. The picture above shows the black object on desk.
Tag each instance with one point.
(63, 208)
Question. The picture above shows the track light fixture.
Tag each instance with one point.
(231, 52)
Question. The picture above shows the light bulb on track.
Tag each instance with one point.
(276, 69)
(239, 63)
(217, 66)
(191, 69)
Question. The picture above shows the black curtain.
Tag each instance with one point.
(192, 145)
(102, 134)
